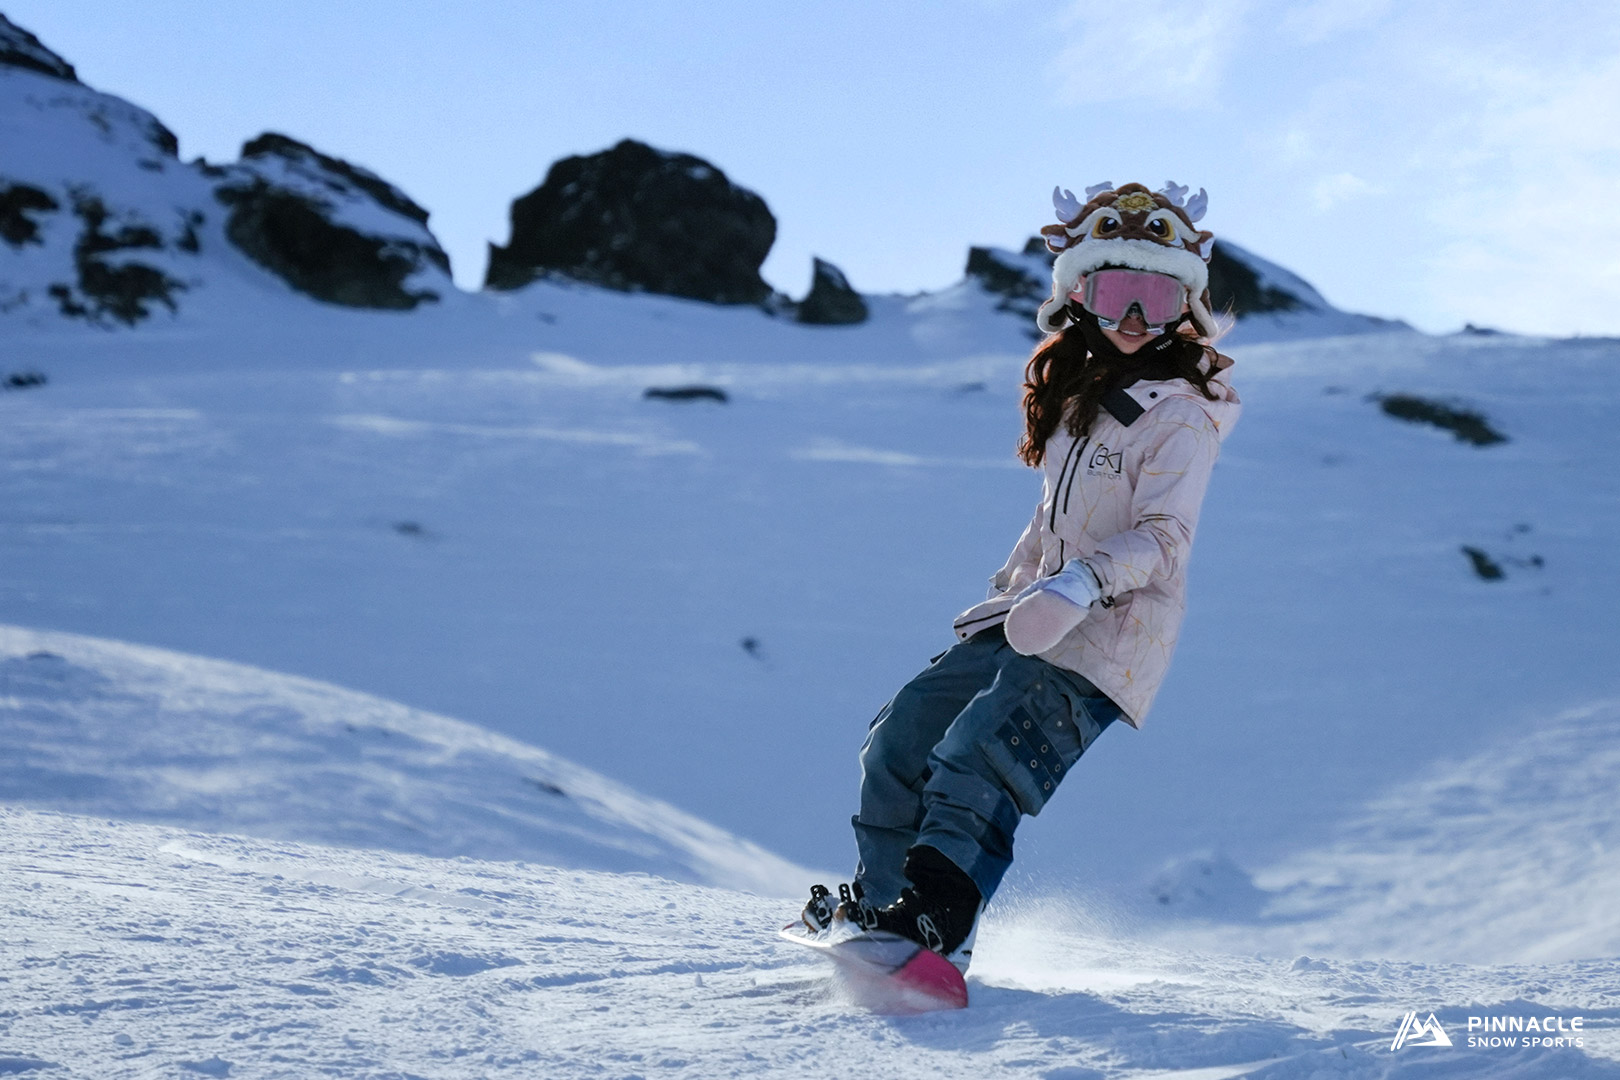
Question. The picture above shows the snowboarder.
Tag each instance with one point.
(1125, 405)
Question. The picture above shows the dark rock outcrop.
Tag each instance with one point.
(831, 301)
(637, 218)
(1235, 287)
(1021, 282)
(20, 49)
(18, 202)
(286, 207)
(275, 145)
(293, 236)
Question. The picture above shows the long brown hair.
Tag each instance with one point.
(1068, 376)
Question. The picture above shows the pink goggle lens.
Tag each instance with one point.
(1110, 293)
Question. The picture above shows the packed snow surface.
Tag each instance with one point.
(144, 951)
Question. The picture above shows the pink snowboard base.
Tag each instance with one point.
(888, 973)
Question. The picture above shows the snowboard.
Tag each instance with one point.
(885, 972)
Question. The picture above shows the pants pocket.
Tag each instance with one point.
(1034, 748)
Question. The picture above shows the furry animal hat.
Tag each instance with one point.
(1132, 227)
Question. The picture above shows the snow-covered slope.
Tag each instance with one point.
(139, 951)
(1510, 855)
(148, 735)
(103, 226)
(497, 525)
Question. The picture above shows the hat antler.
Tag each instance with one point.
(1067, 206)
(1197, 205)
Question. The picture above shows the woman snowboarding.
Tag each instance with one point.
(1125, 406)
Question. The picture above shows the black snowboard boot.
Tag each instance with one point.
(940, 908)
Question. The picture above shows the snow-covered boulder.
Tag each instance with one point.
(640, 219)
(331, 230)
(1019, 281)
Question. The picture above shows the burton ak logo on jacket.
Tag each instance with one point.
(1104, 462)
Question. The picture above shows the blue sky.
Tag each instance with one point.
(1436, 161)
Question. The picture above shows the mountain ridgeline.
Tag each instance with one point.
(101, 222)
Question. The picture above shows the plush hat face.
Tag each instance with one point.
(1132, 227)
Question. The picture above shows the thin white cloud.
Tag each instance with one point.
(1160, 52)
(1314, 23)
(1332, 190)
(1443, 160)
(1528, 240)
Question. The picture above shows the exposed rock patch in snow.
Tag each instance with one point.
(111, 285)
(19, 206)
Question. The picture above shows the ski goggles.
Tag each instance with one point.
(1110, 294)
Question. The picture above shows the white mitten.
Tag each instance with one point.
(1050, 608)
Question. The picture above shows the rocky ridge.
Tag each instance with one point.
(100, 221)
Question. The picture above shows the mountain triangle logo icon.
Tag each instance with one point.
(1415, 1032)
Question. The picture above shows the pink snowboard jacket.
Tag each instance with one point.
(1125, 498)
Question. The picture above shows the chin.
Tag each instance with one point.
(1127, 343)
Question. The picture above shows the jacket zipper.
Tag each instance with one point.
(1076, 449)
(1073, 454)
(1072, 475)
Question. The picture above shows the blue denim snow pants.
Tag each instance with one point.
(980, 738)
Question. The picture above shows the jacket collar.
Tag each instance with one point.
(1136, 399)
